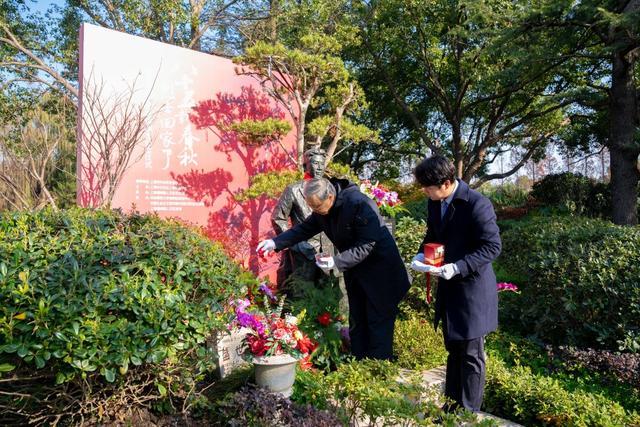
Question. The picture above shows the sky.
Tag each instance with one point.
(42, 5)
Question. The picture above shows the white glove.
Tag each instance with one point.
(326, 264)
(265, 247)
(447, 271)
(419, 257)
(422, 267)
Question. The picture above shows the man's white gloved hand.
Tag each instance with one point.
(422, 267)
(325, 263)
(447, 271)
(265, 247)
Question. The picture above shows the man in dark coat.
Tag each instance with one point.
(375, 275)
(466, 302)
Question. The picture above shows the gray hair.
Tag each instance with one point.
(318, 187)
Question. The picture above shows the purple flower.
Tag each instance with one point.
(267, 291)
(506, 287)
(344, 333)
(250, 321)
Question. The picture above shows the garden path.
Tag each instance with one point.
(434, 378)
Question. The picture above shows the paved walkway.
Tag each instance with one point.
(434, 378)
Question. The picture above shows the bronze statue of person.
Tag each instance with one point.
(299, 260)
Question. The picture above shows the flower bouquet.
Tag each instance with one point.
(271, 335)
(388, 202)
(274, 344)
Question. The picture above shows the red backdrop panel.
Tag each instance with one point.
(188, 165)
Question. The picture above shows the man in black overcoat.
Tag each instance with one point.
(466, 298)
(375, 276)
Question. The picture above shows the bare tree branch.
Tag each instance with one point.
(114, 127)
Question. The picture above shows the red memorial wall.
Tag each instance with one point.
(189, 165)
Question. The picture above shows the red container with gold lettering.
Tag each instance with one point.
(433, 255)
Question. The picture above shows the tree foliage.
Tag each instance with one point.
(465, 79)
(303, 71)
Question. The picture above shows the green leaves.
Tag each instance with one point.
(305, 71)
(109, 291)
(578, 279)
(6, 367)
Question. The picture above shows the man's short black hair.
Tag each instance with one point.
(434, 170)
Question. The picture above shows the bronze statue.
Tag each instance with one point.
(299, 260)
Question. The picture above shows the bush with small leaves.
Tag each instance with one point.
(409, 235)
(98, 301)
(533, 399)
(622, 367)
(578, 281)
(574, 193)
(417, 344)
(378, 393)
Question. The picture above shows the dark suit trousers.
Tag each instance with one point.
(465, 372)
(370, 332)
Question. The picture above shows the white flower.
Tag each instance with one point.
(290, 319)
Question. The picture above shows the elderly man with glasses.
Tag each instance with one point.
(375, 276)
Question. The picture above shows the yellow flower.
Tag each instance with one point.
(20, 316)
(297, 335)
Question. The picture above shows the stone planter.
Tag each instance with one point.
(276, 373)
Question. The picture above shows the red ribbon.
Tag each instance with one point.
(438, 264)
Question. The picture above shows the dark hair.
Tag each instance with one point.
(434, 170)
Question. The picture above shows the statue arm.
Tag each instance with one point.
(282, 210)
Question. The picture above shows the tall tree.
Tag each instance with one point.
(607, 90)
(462, 78)
(302, 70)
(28, 52)
(624, 125)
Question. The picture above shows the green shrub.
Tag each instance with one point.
(573, 193)
(417, 345)
(409, 235)
(543, 360)
(314, 301)
(101, 299)
(531, 399)
(505, 195)
(582, 281)
(416, 209)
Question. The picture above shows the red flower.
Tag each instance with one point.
(306, 345)
(257, 345)
(305, 363)
(324, 319)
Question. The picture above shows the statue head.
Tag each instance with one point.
(314, 162)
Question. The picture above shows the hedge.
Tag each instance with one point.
(104, 299)
(578, 279)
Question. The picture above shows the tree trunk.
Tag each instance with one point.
(274, 10)
(300, 141)
(622, 148)
(624, 187)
